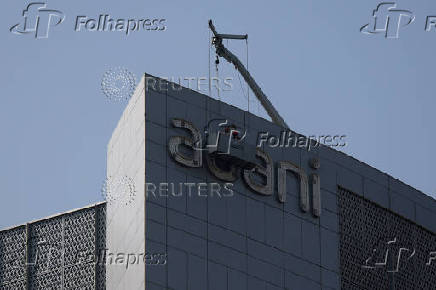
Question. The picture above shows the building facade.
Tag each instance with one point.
(57, 252)
(207, 196)
(301, 219)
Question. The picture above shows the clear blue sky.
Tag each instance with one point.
(323, 75)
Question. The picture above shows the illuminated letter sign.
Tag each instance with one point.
(175, 143)
(225, 170)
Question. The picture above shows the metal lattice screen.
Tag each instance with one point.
(382, 250)
(55, 253)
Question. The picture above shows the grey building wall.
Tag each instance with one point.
(405, 247)
(250, 241)
(126, 207)
(55, 253)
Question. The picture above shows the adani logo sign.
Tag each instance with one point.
(228, 157)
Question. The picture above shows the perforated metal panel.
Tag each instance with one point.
(369, 234)
(49, 254)
(12, 249)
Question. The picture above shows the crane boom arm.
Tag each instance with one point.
(230, 57)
